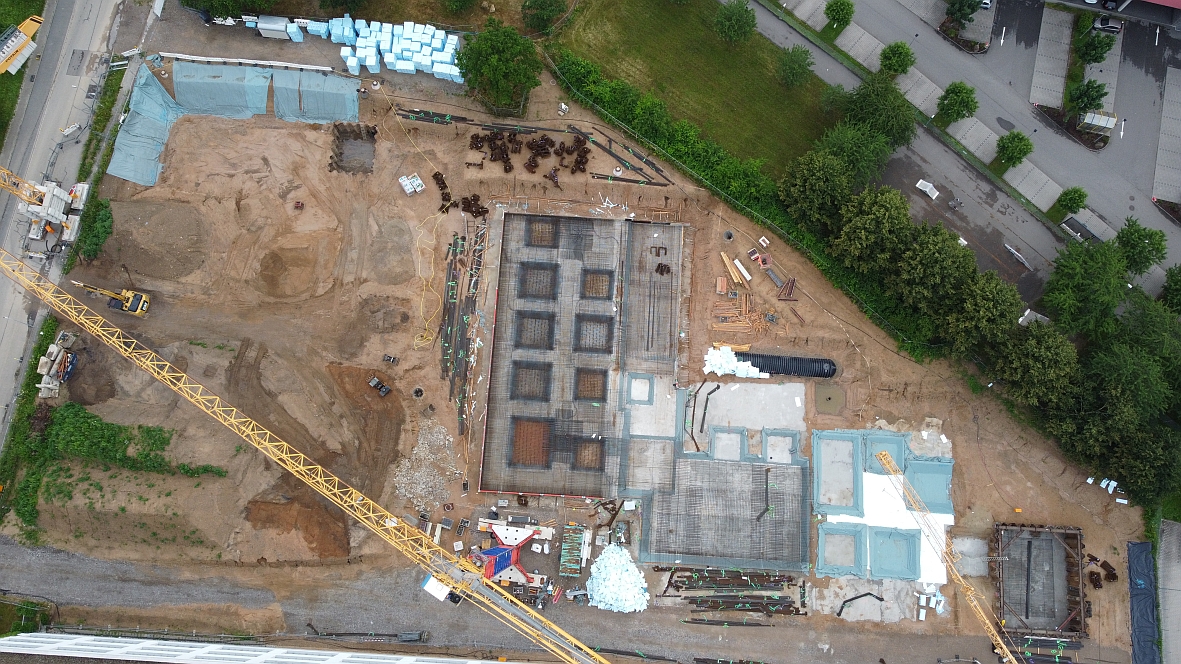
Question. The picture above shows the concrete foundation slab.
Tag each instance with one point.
(1167, 183)
(1053, 58)
(920, 91)
(1168, 562)
(976, 137)
(1033, 183)
(755, 406)
(659, 419)
(861, 46)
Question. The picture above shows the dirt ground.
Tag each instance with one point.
(287, 313)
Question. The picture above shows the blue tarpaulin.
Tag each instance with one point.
(224, 90)
(325, 97)
(1142, 582)
(315, 97)
(144, 132)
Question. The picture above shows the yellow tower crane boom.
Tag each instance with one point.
(20, 188)
(459, 574)
(935, 536)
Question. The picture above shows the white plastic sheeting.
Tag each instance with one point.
(616, 584)
(884, 507)
(723, 362)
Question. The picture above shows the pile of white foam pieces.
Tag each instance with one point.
(616, 584)
(723, 362)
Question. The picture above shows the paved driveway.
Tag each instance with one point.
(1004, 105)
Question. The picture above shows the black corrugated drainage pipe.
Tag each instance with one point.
(790, 365)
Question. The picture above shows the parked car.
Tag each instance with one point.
(1110, 5)
(986, 4)
(1108, 24)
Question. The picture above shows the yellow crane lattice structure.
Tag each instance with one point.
(935, 534)
(20, 188)
(459, 574)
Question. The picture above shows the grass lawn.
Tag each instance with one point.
(13, 12)
(1056, 213)
(1171, 507)
(830, 32)
(997, 167)
(730, 92)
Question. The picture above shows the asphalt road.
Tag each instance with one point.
(1117, 186)
(55, 98)
(391, 600)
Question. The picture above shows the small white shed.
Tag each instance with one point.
(274, 27)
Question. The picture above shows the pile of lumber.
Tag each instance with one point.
(739, 315)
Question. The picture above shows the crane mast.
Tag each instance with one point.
(935, 534)
(460, 574)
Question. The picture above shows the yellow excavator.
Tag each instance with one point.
(130, 301)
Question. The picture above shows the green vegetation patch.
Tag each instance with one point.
(729, 91)
(40, 438)
(98, 126)
(17, 617)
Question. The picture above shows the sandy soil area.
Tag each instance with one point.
(288, 312)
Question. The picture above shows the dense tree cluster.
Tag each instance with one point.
(735, 21)
(1104, 378)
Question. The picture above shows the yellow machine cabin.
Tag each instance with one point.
(133, 302)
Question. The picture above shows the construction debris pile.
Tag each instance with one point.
(723, 362)
(713, 589)
(459, 327)
(741, 315)
(57, 365)
(616, 584)
(422, 477)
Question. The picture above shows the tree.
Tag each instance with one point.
(1086, 96)
(1093, 48)
(875, 230)
(1141, 247)
(1153, 327)
(896, 58)
(1072, 199)
(1039, 366)
(863, 150)
(988, 312)
(1088, 282)
(834, 99)
(539, 15)
(839, 12)
(500, 64)
(1013, 148)
(735, 21)
(957, 102)
(651, 119)
(879, 105)
(1171, 294)
(814, 189)
(795, 65)
(960, 11)
(933, 271)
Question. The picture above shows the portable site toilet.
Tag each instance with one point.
(274, 27)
